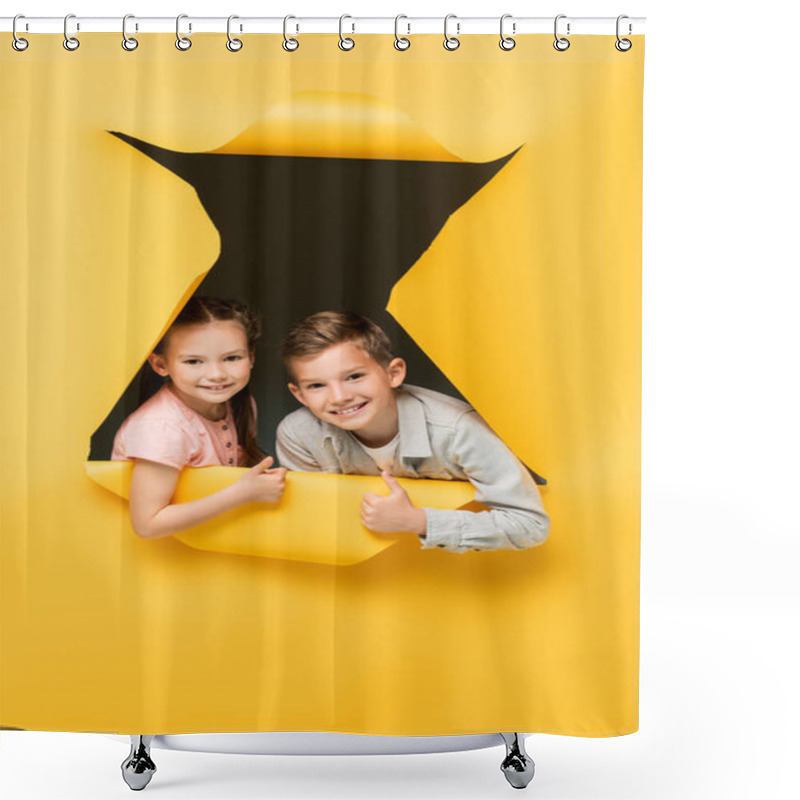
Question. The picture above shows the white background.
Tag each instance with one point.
(720, 622)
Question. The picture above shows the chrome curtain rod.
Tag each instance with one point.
(459, 26)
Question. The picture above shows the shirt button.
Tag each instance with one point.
(228, 444)
(230, 461)
(224, 427)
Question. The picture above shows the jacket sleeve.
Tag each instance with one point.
(291, 450)
(516, 518)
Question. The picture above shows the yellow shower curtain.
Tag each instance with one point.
(517, 288)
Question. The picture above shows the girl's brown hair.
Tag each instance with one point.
(199, 311)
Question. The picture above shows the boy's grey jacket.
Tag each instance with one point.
(442, 438)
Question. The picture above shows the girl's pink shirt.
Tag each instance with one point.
(167, 431)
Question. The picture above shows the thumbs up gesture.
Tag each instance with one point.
(261, 484)
(392, 513)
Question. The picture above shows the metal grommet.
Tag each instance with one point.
(345, 42)
(623, 45)
(451, 42)
(70, 42)
(234, 45)
(182, 42)
(128, 42)
(18, 43)
(400, 42)
(506, 42)
(289, 44)
(561, 44)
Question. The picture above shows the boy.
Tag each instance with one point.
(359, 419)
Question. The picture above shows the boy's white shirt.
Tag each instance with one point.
(438, 437)
(382, 456)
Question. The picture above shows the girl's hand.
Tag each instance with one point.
(260, 484)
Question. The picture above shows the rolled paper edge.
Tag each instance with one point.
(296, 527)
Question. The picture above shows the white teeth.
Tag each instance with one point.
(347, 411)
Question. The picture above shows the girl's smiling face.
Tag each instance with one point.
(207, 364)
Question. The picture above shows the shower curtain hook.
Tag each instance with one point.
(234, 45)
(70, 42)
(18, 43)
(623, 45)
(507, 42)
(181, 41)
(561, 44)
(400, 42)
(345, 42)
(451, 42)
(289, 44)
(128, 42)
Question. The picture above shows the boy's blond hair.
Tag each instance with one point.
(328, 328)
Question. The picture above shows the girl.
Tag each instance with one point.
(202, 415)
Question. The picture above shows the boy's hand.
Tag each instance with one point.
(394, 513)
(260, 484)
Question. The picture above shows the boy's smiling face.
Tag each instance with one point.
(345, 386)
